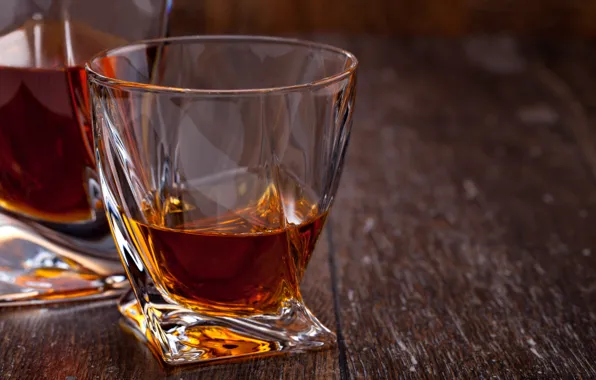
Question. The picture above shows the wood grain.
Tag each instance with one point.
(461, 242)
(464, 226)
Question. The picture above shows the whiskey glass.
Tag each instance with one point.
(55, 242)
(219, 158)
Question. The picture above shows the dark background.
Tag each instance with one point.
(387, 17)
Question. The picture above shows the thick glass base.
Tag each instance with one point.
(35, 269)
(182, 336)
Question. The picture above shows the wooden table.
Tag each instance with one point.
(461, 245)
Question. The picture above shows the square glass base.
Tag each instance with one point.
(182, 336)
(36, 270)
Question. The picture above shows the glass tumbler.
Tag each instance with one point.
(55, 243)
(219, 158)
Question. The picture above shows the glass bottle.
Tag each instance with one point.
(55, 243)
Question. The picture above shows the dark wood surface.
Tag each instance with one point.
(461, 243)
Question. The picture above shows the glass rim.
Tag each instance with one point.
(155, 88)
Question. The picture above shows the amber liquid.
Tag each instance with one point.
(46, 157)
(244, 261)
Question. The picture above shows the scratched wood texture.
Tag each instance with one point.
(464, 228)
(461, 243)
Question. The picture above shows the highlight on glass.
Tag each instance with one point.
(219, 158)
(55, 242)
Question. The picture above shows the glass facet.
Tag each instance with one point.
(219, 158)
(55, 243)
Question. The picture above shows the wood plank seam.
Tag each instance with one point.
(341, 344)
